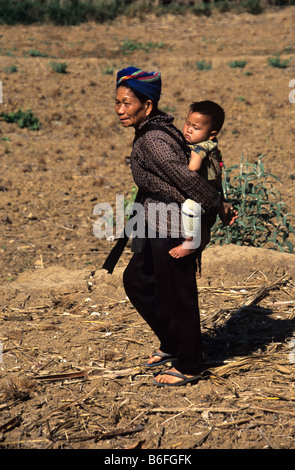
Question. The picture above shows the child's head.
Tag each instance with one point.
(204, 121)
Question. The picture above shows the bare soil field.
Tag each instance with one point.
(72, 374)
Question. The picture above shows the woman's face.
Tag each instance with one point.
(129, 109)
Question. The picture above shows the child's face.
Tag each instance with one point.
(197, 128)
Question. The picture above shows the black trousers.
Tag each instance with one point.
(164, 292)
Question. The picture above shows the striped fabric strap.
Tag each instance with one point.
(140, 75)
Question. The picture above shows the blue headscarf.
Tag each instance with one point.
(148, 84)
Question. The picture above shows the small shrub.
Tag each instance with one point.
(263, 218)
(252, 6)
(59, 67)
(203, 65)
(277, 62)
(237, 64)
(11, 69)
(23, 119)
(7, 52)
(201, 9)
(130, 46)
(109, 70)
(35, 53)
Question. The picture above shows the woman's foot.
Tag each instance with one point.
(158, 358)
(174, 378)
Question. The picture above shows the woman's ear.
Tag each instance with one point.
(149, 107)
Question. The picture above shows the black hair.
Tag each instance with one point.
(212, 110)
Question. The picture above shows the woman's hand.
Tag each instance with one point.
(227, 213)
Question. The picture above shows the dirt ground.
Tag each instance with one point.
(72, 374)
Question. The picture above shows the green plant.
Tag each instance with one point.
(35, 53)
(131, 197)
(11, 69)
(168, 109)
(237, 64)
(129, 46)
(109, 70)
(203, 65)
(252, 6)
(74, 12)
(23, 119)
(263, 220)
(200, 9)
(59, 67)
(223, 5)
(276, 61)
(4, 51)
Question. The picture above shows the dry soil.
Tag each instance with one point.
(73, 348)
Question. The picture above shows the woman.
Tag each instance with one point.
(161, 288)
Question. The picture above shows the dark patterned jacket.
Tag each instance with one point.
(159, 167)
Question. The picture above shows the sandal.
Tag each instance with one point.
(165, 358)
(184, 379)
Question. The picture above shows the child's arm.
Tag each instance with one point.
(195, 161)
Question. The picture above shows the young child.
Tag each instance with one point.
(204, 121)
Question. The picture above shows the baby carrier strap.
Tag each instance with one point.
(216, 164)
(156, 127)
